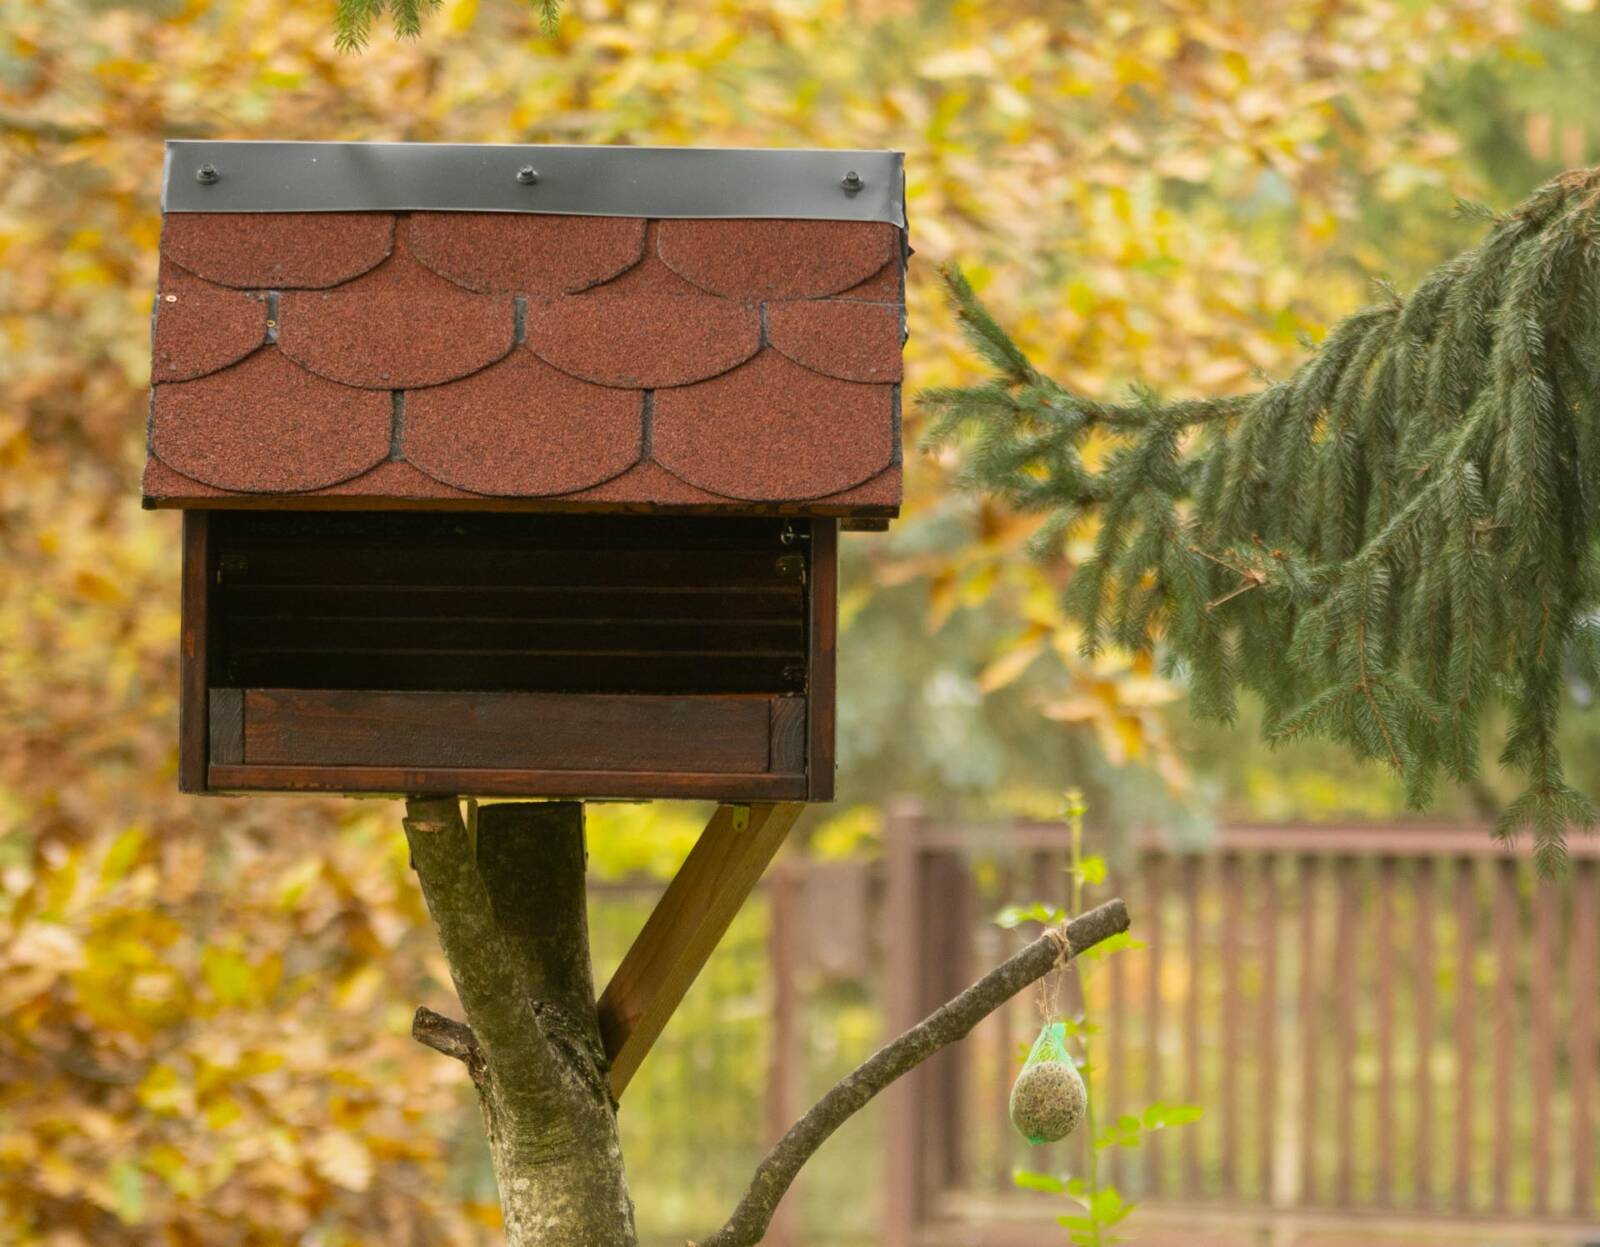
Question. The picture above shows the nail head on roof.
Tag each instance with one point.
(527, 175)
(206, 174)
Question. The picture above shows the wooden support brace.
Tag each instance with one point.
(684, 928)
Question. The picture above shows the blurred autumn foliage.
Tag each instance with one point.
(204, 1003)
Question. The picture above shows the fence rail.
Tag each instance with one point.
(1376, 1020)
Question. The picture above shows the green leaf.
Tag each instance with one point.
(1027, 1180)
(1159, 1116)
(1013, 916)
(1092, 870)
(1122, 941)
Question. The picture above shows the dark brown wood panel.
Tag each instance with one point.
(522, 673)
(193, 640)
(531, 731)
(823, 644)
(788, 734)
(502, 782)
(227, 725)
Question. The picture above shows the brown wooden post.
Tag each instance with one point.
(905, 1167)
(785, 1056)
(199, 562)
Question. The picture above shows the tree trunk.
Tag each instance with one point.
(506, 891)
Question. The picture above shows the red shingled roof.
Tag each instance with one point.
(527, 359)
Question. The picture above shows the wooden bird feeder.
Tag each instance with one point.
(520, 470)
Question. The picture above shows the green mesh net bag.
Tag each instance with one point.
(1048, 1098)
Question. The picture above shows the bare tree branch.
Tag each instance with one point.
(946, 1025)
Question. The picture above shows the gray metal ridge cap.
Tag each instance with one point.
(212, 175)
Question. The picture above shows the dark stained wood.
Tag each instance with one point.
(530, 731)
(1541, 1001)
(1384, 965)
(1585, 1042)
(788, 729)
(710, 637)
(1424, 985)
(489, 782)
(527, 671)
(684, 928)
(822, 647)
(535, 607)
(226, 717)
(570, 604)
(1466, 1016)
(1507, 939)
(468, 567)
(194, 635)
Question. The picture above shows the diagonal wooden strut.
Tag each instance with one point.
(684, 928)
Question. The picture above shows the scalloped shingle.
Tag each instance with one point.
(572, 362)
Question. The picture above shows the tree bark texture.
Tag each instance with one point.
(506, 889)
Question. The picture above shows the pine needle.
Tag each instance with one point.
(1379, 546)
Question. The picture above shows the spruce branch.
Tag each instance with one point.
(1380, 546)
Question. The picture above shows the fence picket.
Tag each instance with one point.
(1267, 1037)
(1384, 964)
(1425, 884)
(1465, 1006)
(1585, 952)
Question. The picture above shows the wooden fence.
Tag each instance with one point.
(1397, 1021)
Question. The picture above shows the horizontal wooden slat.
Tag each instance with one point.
(331, 632)
(363, 566)
(533, 731)
(414, 529)
(504, 782)
(532, 605)
(554, 673)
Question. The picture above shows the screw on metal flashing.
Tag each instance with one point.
(851, 182)
(527, 175)
(206, 174)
